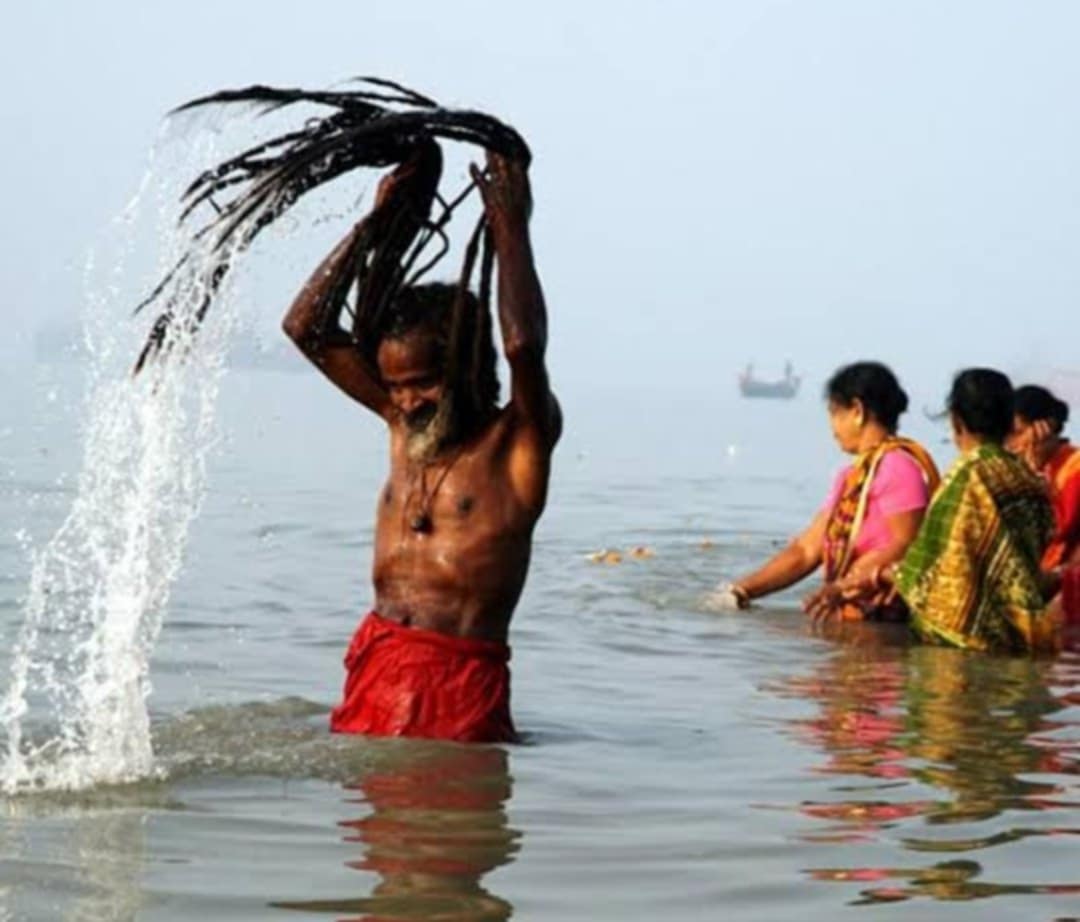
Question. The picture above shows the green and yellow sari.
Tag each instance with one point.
(971, 577)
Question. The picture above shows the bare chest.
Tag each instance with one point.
(465, 497)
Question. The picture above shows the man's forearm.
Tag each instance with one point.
(306, 322)
(522, 313)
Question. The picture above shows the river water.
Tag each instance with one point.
(678, 764)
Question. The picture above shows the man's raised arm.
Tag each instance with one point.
(322, 340)
(405, 193)
(522, 313)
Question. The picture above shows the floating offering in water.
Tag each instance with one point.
(612, 555)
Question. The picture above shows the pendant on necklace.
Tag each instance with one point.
(421, 523)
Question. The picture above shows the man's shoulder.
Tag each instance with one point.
(491, 435)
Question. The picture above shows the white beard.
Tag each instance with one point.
(423, 445)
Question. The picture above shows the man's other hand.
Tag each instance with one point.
(504, 187)
(417, 171)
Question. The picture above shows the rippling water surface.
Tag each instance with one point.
(679, 764)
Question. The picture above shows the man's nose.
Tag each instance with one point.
(409, 400)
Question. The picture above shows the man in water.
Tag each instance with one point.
(468, 479)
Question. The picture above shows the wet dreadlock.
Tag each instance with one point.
(381, 125)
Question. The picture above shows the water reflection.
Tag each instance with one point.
(949, 880)
(957, 747)
(92, 858)
(437, 825)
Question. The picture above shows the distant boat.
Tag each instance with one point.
(783, 389)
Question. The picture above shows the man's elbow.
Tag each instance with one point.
(296, 332)
(524, 350)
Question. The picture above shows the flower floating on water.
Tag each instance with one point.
(613, 555)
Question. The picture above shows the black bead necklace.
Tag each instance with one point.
(421, 522)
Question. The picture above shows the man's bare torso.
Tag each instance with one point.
(452, 539)
(454, 533)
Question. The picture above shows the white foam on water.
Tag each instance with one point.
(74, 714)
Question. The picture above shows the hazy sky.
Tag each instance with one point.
(714, 182)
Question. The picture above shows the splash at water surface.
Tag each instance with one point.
(74, 713)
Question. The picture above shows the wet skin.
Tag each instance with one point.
(453, 531)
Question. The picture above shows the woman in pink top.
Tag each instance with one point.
(873, 510)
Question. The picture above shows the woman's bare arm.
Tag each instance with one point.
(795, 562)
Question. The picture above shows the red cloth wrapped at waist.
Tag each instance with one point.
(405, 681)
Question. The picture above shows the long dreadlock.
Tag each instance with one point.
(379, 126)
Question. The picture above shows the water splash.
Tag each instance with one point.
(75, 711)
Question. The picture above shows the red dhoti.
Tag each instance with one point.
(1070, 596)
(404, 681)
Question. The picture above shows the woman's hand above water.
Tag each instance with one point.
(727, 597)
(841, 599)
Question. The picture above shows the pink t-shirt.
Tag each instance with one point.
(898, 486)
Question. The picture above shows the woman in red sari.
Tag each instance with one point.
(1037, 436)
(1038, 422)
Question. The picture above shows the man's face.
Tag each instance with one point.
(411, 369)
